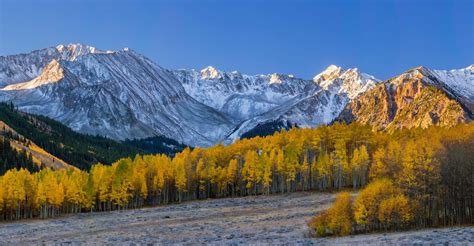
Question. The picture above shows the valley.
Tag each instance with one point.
(276, 219)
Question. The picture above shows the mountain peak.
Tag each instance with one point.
(275, 78)
(211, 73)
(420, 71)
(74, 50)
(330, 73)
(420, 68)
(351, 81)
(331, 68)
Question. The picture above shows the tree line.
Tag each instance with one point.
(429, 163)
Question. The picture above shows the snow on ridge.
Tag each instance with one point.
(51, 73)
(256, 99)
(72, 51)
(459, 80)
(199, 108)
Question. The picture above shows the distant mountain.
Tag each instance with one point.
(121, 95)
(25, 67)
(261, 100)
(420, 97)
(124, 95)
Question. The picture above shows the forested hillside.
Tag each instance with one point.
(158, 144)
(11, 158)
(78, 149)
(433, 168)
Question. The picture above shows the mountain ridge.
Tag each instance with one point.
(124, 95)
(415, 98)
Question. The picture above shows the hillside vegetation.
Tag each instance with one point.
(434, 169)
(38, 156)
(80, 150)
(11, 157)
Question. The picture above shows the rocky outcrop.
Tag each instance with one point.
(414, 99)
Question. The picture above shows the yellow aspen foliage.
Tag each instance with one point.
(57, 195)
(323, 165)
(395, 212)
(232, 171)
(102, 182)
(379, 168)
(250, 170)
(267, 172)
(160, 164)
(341, 164)
(420, 168)
(292, 161)
(280, 163)
(221, 180)
(180, 174)
(305, 166)
(337, 220)
(367, 203)
(121, 183)
(418, 177)
(14, 191)
(360, 164)
(75, 192)
(387, 161)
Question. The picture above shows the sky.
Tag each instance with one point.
(380, 37)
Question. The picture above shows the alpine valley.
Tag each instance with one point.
(124, 95)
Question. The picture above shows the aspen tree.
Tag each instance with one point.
(232, 172)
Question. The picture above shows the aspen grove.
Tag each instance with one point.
(429, 172)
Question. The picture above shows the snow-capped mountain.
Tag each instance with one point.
(460, 82)
(117, 94)
(242, 96)
(253, 100)
(122, 94)
(420, 97)
(25, 67)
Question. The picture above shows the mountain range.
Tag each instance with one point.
(124, 95)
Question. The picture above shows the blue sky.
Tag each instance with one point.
(382, 37)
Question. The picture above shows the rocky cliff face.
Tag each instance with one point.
(417, 98)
